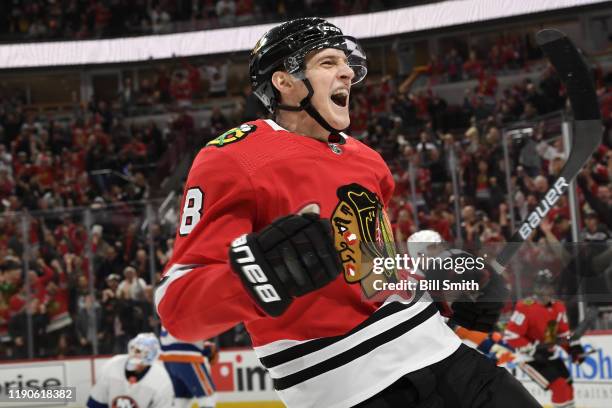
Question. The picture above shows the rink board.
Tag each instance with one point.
(243, 383)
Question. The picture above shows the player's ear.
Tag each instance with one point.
(282, 81)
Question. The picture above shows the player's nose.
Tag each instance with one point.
(345, 72)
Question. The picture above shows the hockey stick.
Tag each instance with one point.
(585, 324)
(575, 75)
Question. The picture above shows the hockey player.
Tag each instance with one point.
(538, 327)
(134, 380)
(189, 367)
(280, 223)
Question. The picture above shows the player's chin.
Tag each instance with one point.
(339, 117)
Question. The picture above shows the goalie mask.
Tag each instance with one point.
(285, 47)
(142, 350)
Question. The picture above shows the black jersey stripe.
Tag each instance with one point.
(300, 350)
(355, 352)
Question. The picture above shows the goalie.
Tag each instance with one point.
(133, 380)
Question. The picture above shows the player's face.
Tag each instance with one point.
(545, 292)
(330, 77)
(137, 356)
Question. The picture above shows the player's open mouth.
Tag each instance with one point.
(340, 97)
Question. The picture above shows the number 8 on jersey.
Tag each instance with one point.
(192, 210)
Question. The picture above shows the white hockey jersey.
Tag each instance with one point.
(169, 343)
(113, 390)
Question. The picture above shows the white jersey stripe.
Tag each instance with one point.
(367, 375)
(277, 346)
(362, 371)
(175, 272)
(336, 348)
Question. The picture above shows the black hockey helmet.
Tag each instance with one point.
(285, 48)
(544, 284)
(544, 277)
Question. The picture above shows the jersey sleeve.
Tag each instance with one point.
(100, 392)
(199, 296)
(516, 329)
(563, 330)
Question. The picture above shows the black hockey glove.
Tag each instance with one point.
(291, 257)
(542, 352)
(482, 313)
(576, 351)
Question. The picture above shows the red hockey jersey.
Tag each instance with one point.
(332, 347)
(534, 321)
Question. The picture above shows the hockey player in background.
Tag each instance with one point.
(538, 327)
(281, 220)
(133, 380)
(189, 367)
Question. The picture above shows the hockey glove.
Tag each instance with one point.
(576, 351)
(210, 351)
(543, 352)
(291, 257)
(482, 313)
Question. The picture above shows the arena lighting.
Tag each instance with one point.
(411, 19)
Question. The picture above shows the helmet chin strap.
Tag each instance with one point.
(306, 105)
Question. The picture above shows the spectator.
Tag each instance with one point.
(245, 11)
(594, 231)
(181, 90)
(226, 12)
(127, 96)
(160, 20)
(132, 287)
(454, 66)
(88, 319)
(487, 83)
(218, 121)
(598, 198)
(473, 66)
(6, 160)
(18, 329)
(216, 74)
(471, 227)
(111, 265)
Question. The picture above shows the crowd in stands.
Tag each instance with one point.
(419, 130)
(85, 19)
(174, 86)
(508, 53)
(51, 170)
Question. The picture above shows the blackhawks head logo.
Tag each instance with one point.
(550, 332)
(362, 232)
